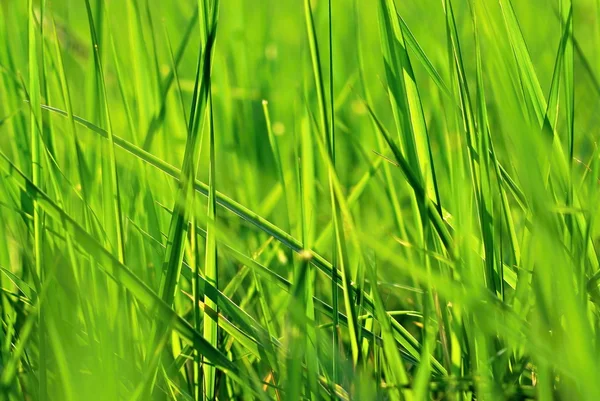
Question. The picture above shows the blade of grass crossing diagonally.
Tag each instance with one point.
(405, 98)
(412, 43)
(180, 219)
(246, 325)
(77, 160)
(273, 230)
(109, 264)
(551, 114)
(140, 185)
(434, 214)
(54, 338)
(222, 199)
(110, 189)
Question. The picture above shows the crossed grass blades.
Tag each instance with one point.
(297, 199)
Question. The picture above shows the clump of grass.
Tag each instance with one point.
(298, 200)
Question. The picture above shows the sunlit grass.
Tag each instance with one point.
(286, 200)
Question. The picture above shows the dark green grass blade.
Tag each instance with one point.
(211, 268)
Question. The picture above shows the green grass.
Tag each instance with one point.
(299, 200)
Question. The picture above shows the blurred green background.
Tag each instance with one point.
(505, 308)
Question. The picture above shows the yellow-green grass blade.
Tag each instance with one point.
(405, 97)
(208, 26)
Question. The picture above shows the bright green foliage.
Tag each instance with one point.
(299, 200)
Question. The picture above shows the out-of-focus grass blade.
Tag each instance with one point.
(35, 127)
(118, 271)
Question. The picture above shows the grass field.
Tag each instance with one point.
(299, 200)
